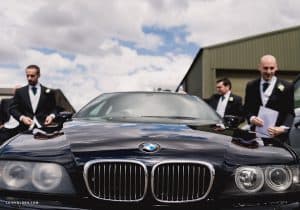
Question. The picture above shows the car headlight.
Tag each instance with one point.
(278, 178)
(249, 179)
(46, 177)
(34, 177)
(16, 174)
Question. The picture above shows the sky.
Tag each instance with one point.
(86, 48)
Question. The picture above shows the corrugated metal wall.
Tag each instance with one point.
(243, 55)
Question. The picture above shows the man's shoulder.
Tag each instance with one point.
(6, 100)
(22, 89)
(235, 96)
(212, 98)
(47, 90)
(284, 82)
(215, 96)
(253, 82)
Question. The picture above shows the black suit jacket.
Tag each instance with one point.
(281, 100)
(233, 107)
(21, 104)
(4, 110)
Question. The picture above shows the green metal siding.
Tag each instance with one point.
(194, 79)
(243, 55)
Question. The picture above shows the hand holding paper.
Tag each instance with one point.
(269, 117)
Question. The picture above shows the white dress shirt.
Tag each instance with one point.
(34, 100)
(266, 95)
(222, 104)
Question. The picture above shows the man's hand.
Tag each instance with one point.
(256, 121)
(49, 119)
(26, 120)
(275, 131)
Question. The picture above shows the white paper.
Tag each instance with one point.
(269, 116)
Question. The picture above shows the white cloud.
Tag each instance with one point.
(93, 31)
(88, 76)
(220, 21)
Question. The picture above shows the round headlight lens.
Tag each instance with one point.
(16, 174)
(249, 179)
(278, 178)
(46, 176)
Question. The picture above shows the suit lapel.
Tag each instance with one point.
(257, 92)
(216, 101)
(41, 98)
(229, 104)
(27, 98)
(273, 94)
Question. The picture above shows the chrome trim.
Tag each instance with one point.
(268, 181)
(203, 163)
(92, 162)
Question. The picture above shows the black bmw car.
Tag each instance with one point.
(141, 149)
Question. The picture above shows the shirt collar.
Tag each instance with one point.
(227, 94)
(273, 80)
(38, 86)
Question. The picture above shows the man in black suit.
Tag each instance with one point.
(4, 113)
(33, 105)
(5, 116)
(224, 101)
(271, 92)
(8, 124)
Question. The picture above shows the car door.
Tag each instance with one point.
(295, 130)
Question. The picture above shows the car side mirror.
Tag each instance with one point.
(64, 116)
(297, 124)
(231, 121)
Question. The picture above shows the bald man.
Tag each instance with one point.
(271, 92)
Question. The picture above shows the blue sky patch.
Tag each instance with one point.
(49, 51)
(174, 41)
(151, 68)
(10, 66)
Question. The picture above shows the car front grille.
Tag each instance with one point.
(180, 182)
(127, 180)
(116, 180)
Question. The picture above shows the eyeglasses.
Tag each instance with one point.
(266, 67)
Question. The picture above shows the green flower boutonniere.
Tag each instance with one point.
(230, 98)
(280, 87)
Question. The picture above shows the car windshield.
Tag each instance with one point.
(150, 107)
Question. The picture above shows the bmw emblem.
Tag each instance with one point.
(149, 147)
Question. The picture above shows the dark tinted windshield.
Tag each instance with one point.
(154, 106)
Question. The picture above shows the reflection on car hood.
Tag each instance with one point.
(84, 141)
(91, 140)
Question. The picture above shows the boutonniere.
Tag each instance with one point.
(230, 98)
(280, 87)
(47, 90)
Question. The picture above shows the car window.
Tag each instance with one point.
(297, 93)
(149, 105)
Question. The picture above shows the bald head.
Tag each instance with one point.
(267, 67)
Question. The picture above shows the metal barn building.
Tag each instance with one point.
(238, 60)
